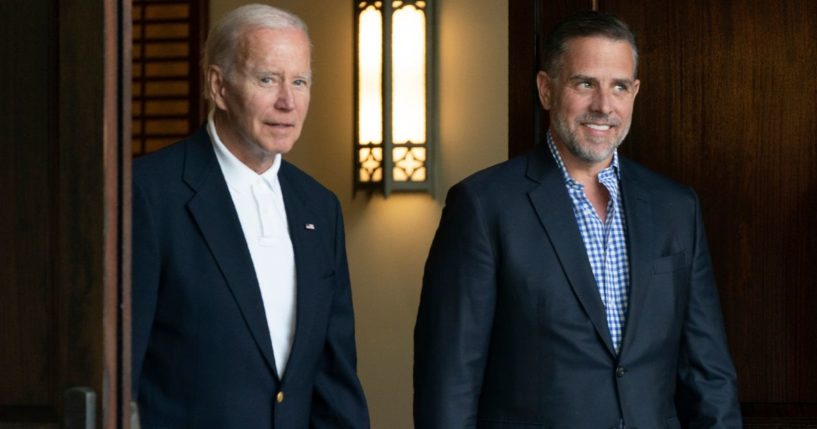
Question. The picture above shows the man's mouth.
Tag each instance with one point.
(599, 127)
(279, 124)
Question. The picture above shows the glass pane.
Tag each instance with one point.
(408, 75)
(370, 160)
(399, 175)
(408, 163)
(419, 175)
(370, 76)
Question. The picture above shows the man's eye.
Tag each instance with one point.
(301, 82)
(585, 84)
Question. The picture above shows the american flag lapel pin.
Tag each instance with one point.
(310, 226)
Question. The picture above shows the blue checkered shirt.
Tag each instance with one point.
(605, 242)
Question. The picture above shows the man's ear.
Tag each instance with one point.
(545, 86)
(216, 86)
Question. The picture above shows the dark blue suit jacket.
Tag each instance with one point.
(511, 331)
(202, 354)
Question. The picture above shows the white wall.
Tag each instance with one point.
(388, 239)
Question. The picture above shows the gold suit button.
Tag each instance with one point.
(279, 397)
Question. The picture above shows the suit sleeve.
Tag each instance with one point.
(338, 400)
(455, 317)
(707, 381)
(145, 282)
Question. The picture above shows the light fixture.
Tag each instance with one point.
(393, 95)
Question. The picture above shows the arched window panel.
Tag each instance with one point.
(393, 96)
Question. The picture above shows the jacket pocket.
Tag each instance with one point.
(668, 264)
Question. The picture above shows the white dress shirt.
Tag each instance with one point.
(260, 206)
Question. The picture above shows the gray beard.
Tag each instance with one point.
(570, 141)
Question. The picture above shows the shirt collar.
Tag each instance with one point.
(612, 168)
(236, 173)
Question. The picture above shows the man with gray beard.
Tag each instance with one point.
(573, 288)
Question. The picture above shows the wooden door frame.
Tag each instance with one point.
(94, 141)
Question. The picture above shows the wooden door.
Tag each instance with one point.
(728, 105)
(64, 294)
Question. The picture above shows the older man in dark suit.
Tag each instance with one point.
(572, 288)
(242, 310)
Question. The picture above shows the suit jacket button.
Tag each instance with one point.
(279, 397)
(620, 371)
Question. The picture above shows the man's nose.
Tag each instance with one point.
(285, 99)
(602, 101)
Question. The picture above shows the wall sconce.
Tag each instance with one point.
(393, 95)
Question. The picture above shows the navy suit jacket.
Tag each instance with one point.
(202, 354)
(511, 330)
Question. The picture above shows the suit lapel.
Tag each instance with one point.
(640, 237)
(553, 207)
(213, 210)
(304, 230)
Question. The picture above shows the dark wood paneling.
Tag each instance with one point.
(79, 192)
(27, 127)
(522, 101)
(61, 169)
(528, 21)
(728, 105)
